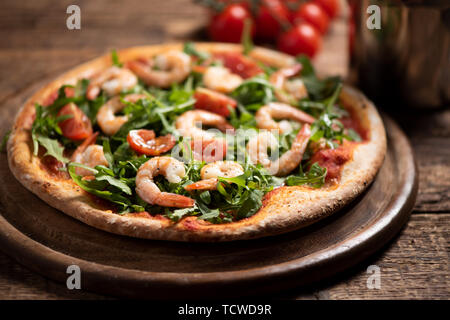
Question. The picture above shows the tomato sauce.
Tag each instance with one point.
(334, 159)
(352, 122)
(53, 167)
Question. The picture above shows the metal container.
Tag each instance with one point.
(407, 61)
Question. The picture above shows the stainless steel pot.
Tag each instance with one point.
(408, 60)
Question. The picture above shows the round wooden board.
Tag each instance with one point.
(47, 241)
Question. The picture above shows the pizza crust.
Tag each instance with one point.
(284, 209)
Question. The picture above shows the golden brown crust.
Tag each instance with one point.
(285, 209)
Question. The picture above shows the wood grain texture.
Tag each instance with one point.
(413, 265)
(37, 47)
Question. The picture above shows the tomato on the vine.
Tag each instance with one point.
(331, 7)
(302, 38)
(78, 126)
(314, 14)
(228, 25)
(270, 17)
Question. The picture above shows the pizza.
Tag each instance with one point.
(197, 142)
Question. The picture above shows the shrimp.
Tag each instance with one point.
(257, 150)
(221, 79)
(210, 173)
(204, 144)
(106, 118)
(266, 114)
(288, 91)
(172, 67)
(186, 124)
(173, 170)
(113, 80)
(89, 154)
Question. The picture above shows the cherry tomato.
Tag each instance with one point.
(314, 14)
(331, 7)
(77, 127)
(228, 25)
(213, 101)
(145, 142)
(268, 18)
(239, 64)
(303, 38)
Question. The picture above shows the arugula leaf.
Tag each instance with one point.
(251, 204)
(207, 213)
(178, 214)
(52, 146)
(189, 48)
(315, 177)
(106, 187)
(157, 114)
(256, 90)
(116, 183)
(318, 89)
(107, 152)
(352, 135)
(115, 59)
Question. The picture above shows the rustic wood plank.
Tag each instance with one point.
(413, 266)
(42, 24)
(17, 282)
(429, 132)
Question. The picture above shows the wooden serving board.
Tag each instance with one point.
(47, 241)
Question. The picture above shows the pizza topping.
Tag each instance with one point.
(215, 176)
(221, 79)
(333, 160)
(314, 177)
(145, 142)
(165, 70)
(266, 114)
(68, 91)
(113, 81)
(209, 150)
(210, 173)
(173, 170)
(353, 127)
(76, 125)
(106, 118)
(214, 101)
(258, 146)
(238, 64)
(187, 124)
(53, 166)
(90, 155)
(288, 91)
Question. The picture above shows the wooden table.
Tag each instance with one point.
(36, 46)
